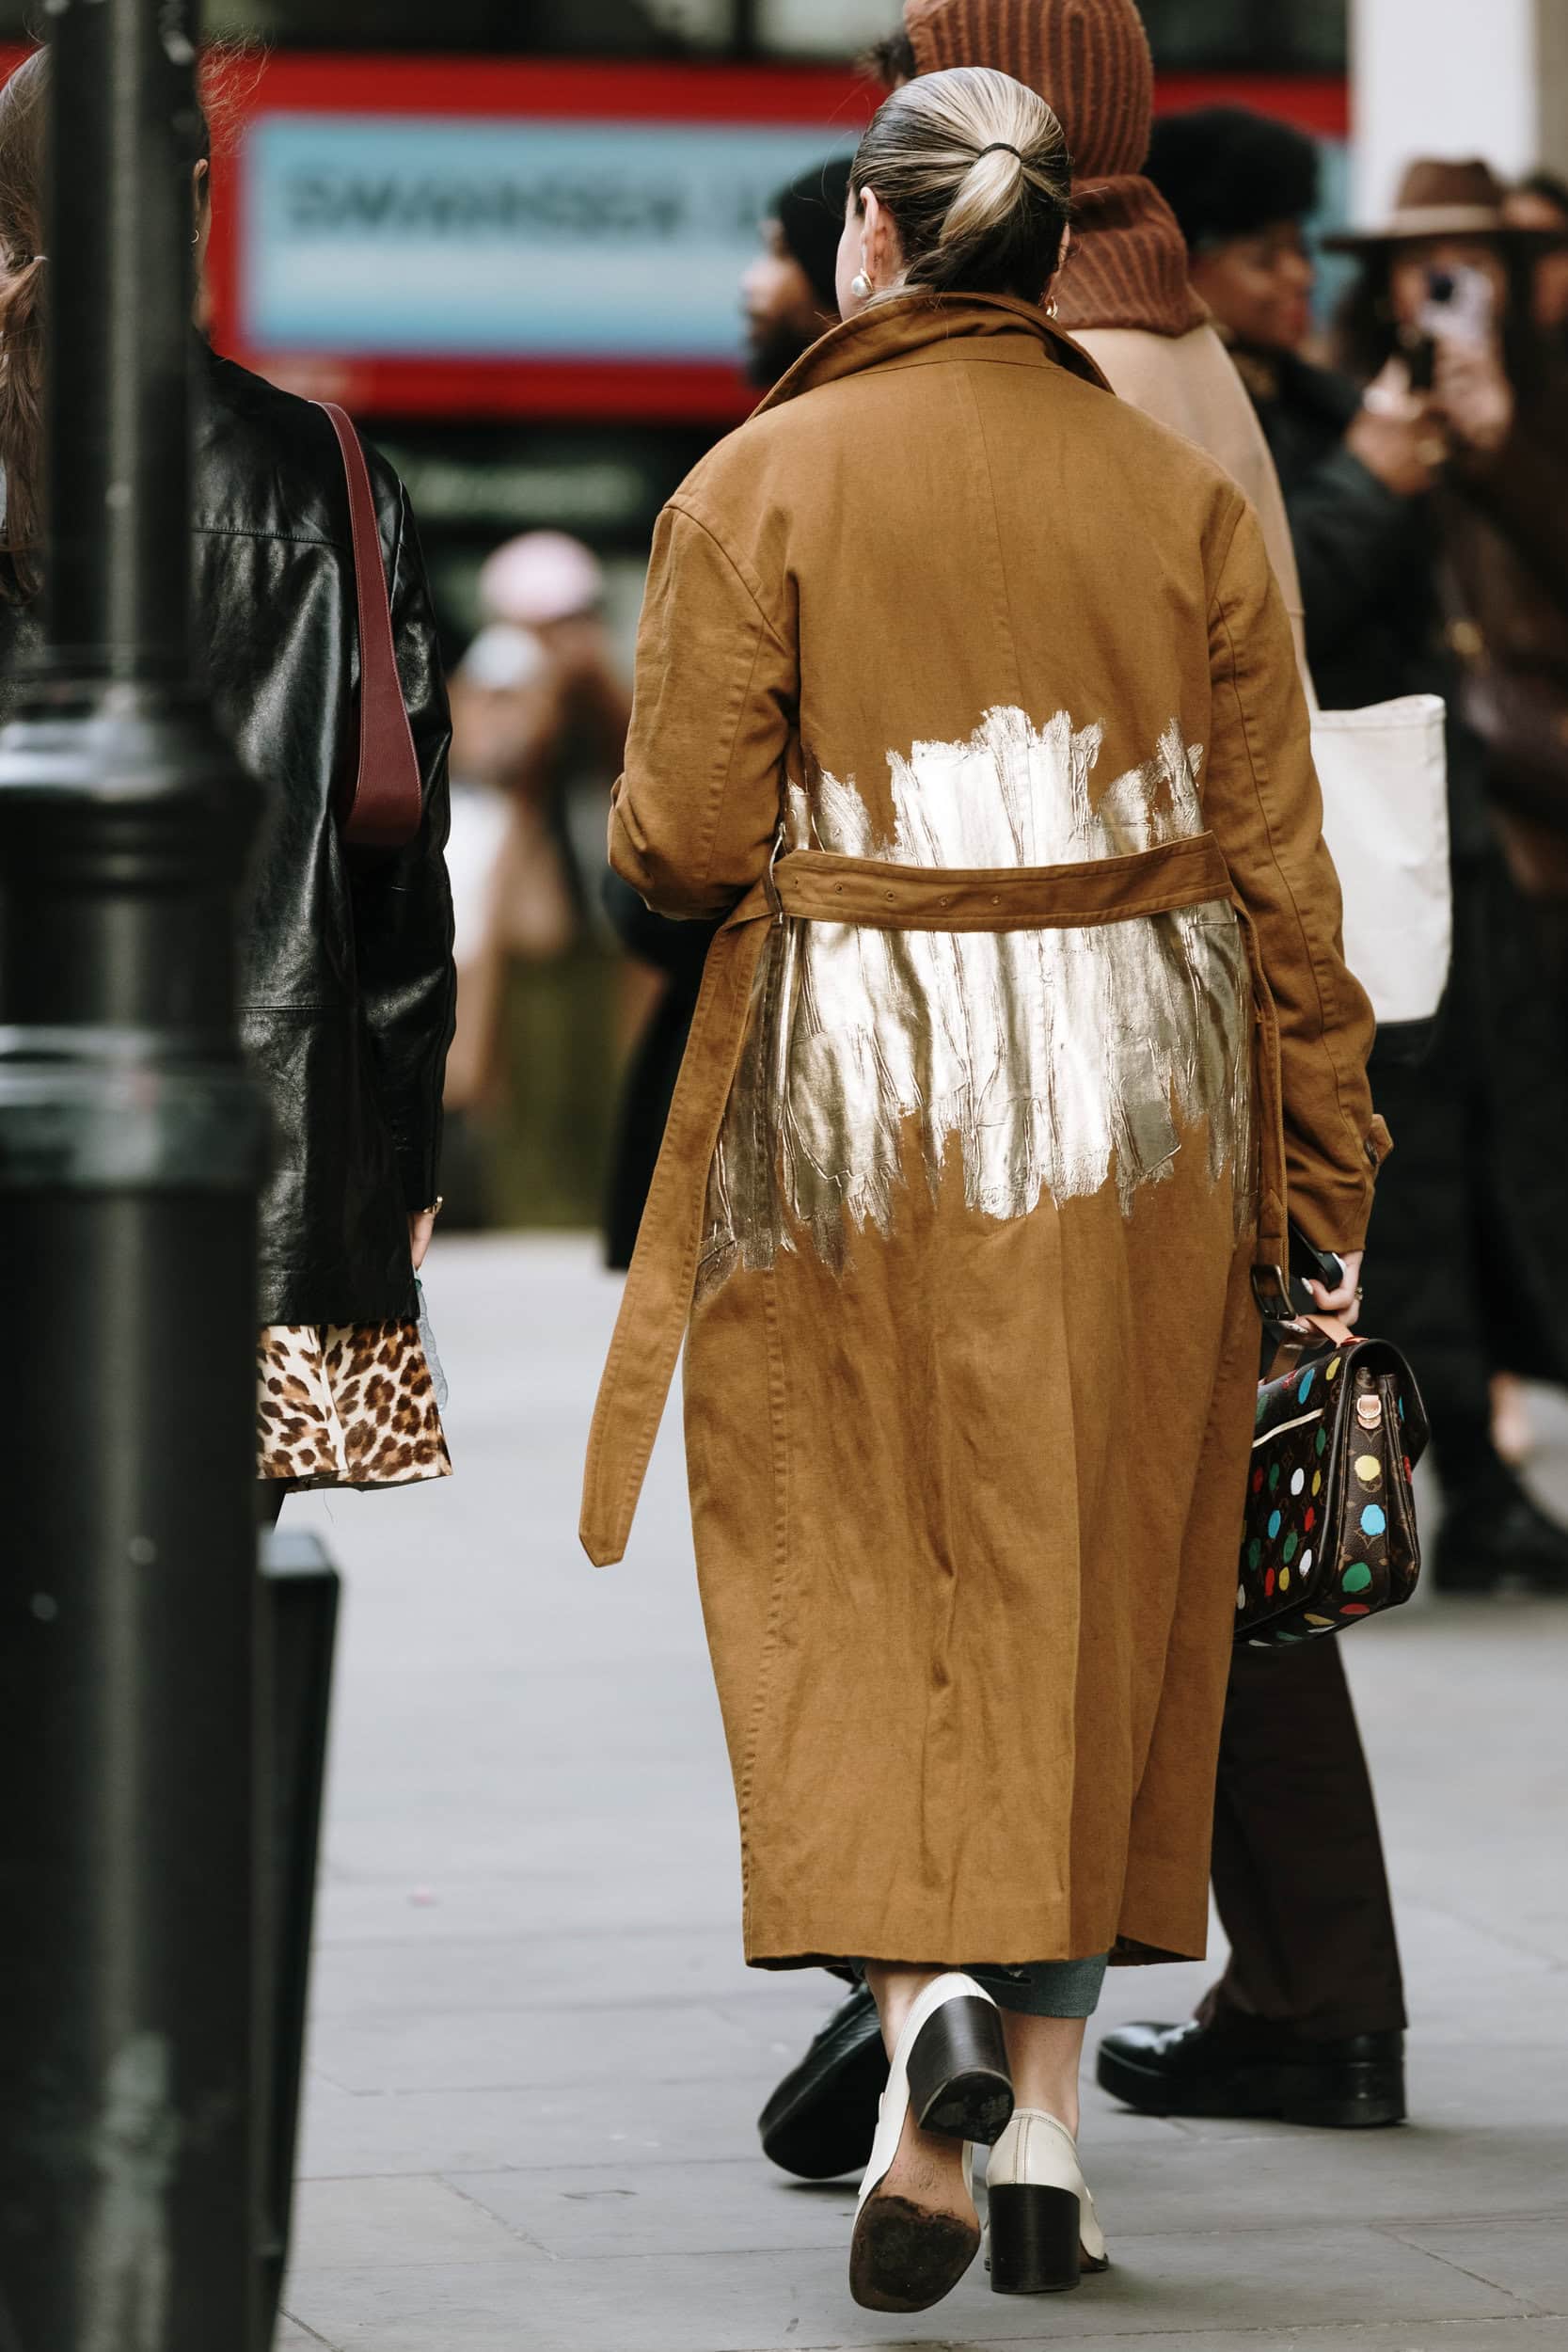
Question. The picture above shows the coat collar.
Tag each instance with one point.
(921, 326)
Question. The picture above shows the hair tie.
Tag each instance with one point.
(1000, 146)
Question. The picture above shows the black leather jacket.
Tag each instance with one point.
(346, 979)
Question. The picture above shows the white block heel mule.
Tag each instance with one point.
(1044, 2230)
(916, 2230)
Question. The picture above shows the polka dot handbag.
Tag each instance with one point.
(1330, 1534)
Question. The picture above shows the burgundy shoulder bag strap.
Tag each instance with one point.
(384, 807)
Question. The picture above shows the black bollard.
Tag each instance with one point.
(130, 1149)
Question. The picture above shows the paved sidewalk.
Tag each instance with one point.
(536, 2058)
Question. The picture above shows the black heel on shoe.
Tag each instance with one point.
(1035, 2240)
(959, 2081)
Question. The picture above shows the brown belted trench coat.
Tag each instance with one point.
(965, 693)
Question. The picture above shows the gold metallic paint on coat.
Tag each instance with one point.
(1053, 1061)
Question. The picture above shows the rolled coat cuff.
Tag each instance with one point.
(1332, 1205)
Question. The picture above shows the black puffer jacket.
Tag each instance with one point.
(346, 979)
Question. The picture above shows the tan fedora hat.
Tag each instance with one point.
(1446, 199)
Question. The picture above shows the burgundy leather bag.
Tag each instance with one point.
(385, 806)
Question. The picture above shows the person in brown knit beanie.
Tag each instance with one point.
(1090, 61)
(1308, 2020)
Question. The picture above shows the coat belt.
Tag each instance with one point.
(812, 886)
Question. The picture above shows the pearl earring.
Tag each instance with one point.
(1051, 307)
(861, 286)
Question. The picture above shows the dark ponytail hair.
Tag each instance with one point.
(24, 113)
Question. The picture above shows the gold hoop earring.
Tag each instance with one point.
(861, 286)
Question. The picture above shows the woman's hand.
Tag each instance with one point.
(1395, 435)
(1472, 395)
(1344, 1303)
(422, 1224)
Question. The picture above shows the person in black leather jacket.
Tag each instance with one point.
(347, 985)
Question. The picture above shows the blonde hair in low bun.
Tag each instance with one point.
(969, 219)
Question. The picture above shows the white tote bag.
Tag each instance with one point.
(1383, 774)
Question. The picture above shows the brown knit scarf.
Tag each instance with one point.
(1090, 61)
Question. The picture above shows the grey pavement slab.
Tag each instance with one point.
(388, 2222)
(766, 2298)
(1529, 2257)
(538, 2055)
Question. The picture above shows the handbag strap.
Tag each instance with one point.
(1301, 1337)
(386, 807)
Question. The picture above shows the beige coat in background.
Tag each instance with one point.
(1189, 382)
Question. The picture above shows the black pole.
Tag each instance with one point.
(129, 1148)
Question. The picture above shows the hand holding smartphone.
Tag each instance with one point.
(1311, 1264)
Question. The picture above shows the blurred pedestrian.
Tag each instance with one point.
(1308, 2017)
(1461, 311)
(533, 1062)
(509, 887)
(1353, 469)
(345, 955)
(1467, 594)
(787, 293)
(978, 1225)
(789, 299)
(1541, 203)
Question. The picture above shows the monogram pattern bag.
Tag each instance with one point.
(1330, 1533)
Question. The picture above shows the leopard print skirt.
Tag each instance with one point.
(347, 1404)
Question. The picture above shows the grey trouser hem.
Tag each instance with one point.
(1045, 1988)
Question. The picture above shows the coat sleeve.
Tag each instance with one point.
(403, 904)
(1262, 804)
(1353, 546)
(693, 818)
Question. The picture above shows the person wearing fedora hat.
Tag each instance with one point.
(1442, 319)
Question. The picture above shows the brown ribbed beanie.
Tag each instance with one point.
(1090, 61)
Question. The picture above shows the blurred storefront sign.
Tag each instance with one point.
(595, 240)
(509, 237)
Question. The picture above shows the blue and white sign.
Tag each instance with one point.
(424, 237)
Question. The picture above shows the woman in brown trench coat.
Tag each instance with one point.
(966, 694)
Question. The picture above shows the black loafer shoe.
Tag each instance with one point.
(1261, 2070)
(822, 2119)
(1488, 1539)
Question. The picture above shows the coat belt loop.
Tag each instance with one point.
(770, 881)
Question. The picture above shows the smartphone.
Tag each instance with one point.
(1460, 305)
(1311, 1264)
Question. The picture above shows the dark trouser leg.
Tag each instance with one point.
(1298, 1866)
(271, 1494)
